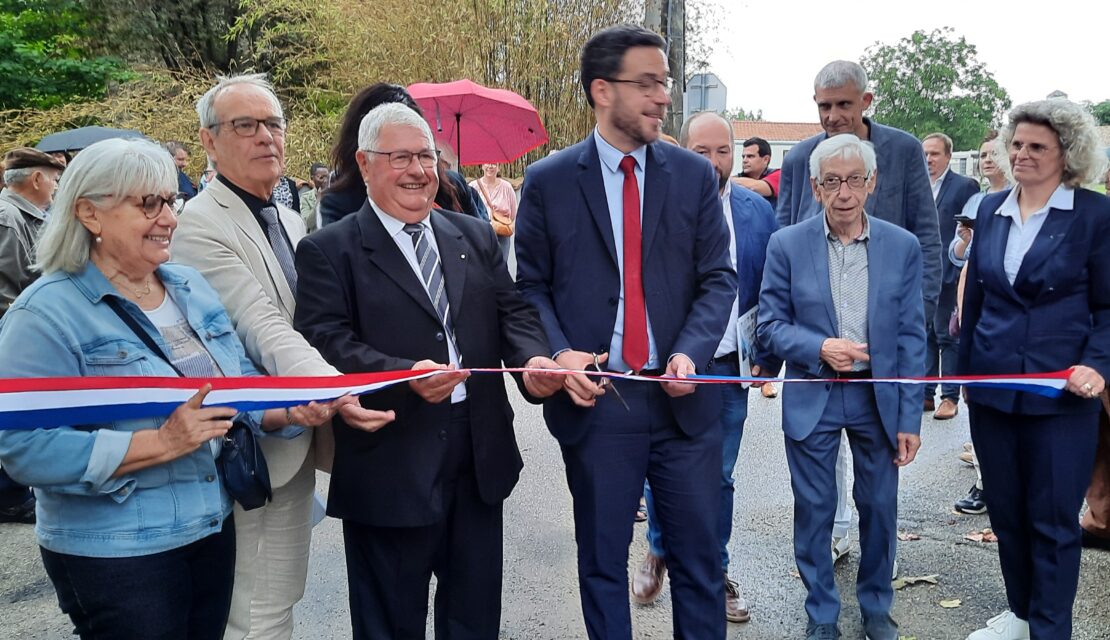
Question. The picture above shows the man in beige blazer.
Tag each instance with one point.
(243, 243)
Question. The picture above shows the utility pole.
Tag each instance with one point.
(668, 18)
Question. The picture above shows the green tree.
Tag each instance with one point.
(1101, 112)
(739, 113)
(934, 82)
(44, 57)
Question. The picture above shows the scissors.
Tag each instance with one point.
(606, 382)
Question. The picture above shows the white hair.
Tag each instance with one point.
(206, 106)
(1074, 126)
(846, 146)
(839, 73)
(16, 177)
(104, 173)
(391, 113)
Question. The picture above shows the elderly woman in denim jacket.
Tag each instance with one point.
(133, 523)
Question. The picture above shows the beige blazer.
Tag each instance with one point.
(219, 236)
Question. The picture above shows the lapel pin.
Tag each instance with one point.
(463, 256)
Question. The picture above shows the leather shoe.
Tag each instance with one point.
(20, 514)
(736, 607)
(929, 405)
(648, 581)
(1089, 540)
(822, 632)
(947, 410)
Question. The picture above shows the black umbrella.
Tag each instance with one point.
(77, 139)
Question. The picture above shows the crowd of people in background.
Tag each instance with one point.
(866, 256)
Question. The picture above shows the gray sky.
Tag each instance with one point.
(1032, 47)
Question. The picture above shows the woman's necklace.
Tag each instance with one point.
(138, 293)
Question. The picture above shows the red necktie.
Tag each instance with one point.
(635, 316)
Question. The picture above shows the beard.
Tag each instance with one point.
(628, 123)
(722, 179)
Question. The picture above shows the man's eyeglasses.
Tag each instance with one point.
(402, 159)
(247, 127)
(831, 184)
(647, 84)
(152, 203)
(1034, 149)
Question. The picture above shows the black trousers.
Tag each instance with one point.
(389, 568)
(180, 594)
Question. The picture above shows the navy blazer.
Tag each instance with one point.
(753, 222)
(955, 191)
(1054, 316)
(567, 267)
(796, 315)
(903, 194)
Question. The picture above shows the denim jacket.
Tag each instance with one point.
(62, 326)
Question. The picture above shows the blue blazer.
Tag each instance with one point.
(567, 267)
(1054, 316)
(903, 194)
(796, 315)
(753, 221)
(955, 191)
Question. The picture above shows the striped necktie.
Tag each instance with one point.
(280, 245)
(427, 259)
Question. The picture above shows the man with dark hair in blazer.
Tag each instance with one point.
(399, 285)
(622, 247)
(951, 191)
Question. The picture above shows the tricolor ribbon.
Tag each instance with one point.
(32, 403)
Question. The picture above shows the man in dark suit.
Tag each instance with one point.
(641, 284)
(951, 191)
(841, 298)
(400, 285)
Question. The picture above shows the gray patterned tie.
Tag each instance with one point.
(427, 258)
(280, 245)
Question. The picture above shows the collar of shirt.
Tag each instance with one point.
(1062, 198)
(941, 177)
(393, 226)
(611, 156)
(862, 237)
(253, 202)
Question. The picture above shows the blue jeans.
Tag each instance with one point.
(180, 594)
(734, 411)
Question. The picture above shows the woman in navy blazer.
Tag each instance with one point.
(1037, 300)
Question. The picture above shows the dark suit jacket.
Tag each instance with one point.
(753, 221)
(365, 309)
(955, 191)
(1055, 315)
(903, 194)
(567, 267)
(796, 315)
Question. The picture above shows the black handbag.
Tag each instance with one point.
(241, 463)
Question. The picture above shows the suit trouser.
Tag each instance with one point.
(12, 494)
(812, 461)
(1097, 519)
(942, 347)
(734, 411)
(389, 568)
(606, 472)
(1035, 472)
(271, 560)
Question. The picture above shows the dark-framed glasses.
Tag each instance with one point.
(402, 159)
(152, 203)
(647, 84)
(831, 184)
(247, 127)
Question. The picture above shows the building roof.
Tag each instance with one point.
(774, 131)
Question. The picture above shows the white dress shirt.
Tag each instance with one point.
(1022, 234)
(728, 342)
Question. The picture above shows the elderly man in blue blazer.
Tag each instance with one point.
(841, 298)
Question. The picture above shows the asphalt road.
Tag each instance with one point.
(540, 587)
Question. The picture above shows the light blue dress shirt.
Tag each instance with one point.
(613, 179)
(1022, 234)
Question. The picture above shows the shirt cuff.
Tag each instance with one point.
(108, 453)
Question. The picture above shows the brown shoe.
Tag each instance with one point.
(648, 581)
(769, 390)
(736, 607)
(947, 410)
(929, 405)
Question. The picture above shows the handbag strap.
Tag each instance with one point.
(140, 332)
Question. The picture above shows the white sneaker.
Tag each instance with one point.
(894, 571)
(839, 548)
(1004, 626)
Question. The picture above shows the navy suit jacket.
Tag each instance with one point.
(955, 191)
(796, 315)
(753, 221)
(567, 267)
(1054, 316)
(903, 194)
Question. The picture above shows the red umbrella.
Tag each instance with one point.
(499, 125)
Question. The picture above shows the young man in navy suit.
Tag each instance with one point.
(622, 248)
